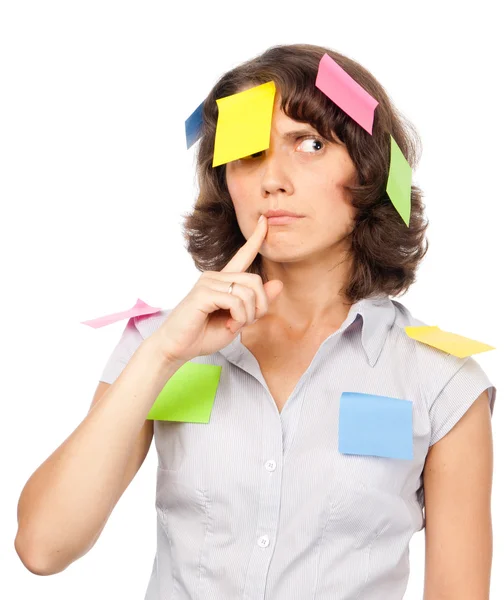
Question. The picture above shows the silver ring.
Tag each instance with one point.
(230, 290)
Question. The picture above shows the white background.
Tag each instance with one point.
(94, 178)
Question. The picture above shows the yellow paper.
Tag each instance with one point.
(243, 123)
(451, 343)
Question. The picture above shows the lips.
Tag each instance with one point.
(283, 220)
(281, 213)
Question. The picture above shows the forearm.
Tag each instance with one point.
(66, 502)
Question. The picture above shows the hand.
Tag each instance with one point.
(200, 324)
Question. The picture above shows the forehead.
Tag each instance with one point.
(282, 122)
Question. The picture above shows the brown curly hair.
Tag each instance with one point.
(384, 250)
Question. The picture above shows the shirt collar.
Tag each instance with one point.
(377, 315)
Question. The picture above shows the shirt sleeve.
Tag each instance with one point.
(128, 343)
(456, 397)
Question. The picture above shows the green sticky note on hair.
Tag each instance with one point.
(399, 182)
(188, 395)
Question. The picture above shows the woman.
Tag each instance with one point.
(306, 481)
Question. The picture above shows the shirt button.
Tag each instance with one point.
(263, 541)
(270, 465)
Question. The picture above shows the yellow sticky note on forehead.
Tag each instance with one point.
(451, 343)
(243, 123)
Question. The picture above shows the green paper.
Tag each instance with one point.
(399, 182)
(188, 395)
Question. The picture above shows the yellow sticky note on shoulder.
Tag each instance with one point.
(243, 123)
(451, 343)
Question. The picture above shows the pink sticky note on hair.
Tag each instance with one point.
(346, 93)
(140, 308)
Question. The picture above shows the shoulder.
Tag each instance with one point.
(435, 368)
(146, 325)
(137, 329)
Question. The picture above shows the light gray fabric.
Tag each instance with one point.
(258, 505)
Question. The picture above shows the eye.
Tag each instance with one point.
(255, 155)
(311, 145)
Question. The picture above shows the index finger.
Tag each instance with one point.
(242, 260)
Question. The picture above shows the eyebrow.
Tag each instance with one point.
(291, 135)
(297, 133)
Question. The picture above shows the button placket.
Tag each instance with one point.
(268, 508)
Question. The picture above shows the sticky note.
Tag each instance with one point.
(375, 426)
(193, 126)
(188, 395)
(399, 182)
(346, 93)
(243, 123)
(140, 308)
(451, 343)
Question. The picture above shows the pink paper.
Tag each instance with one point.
(346, 93)
(140, 308)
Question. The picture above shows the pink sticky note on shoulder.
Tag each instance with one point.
(140, 308)
(346, 93)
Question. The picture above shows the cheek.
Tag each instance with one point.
(337, 179)
(331, 195)
(237, 188)
(332, 206)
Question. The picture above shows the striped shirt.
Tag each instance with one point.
(262, 505)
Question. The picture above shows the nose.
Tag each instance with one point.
(276, 178)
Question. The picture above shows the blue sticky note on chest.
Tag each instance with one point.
(375, 426)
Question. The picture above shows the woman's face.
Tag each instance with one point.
(301, 173)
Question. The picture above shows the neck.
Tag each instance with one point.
(313, 295)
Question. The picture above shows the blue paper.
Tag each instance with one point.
(193, 126)
(375, 426)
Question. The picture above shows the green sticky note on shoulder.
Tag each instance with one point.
(188, 395)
